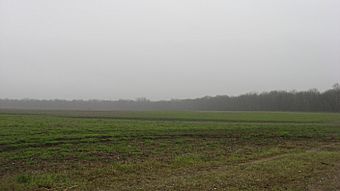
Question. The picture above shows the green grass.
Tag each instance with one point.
(83, 150)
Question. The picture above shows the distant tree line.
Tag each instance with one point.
(311, 100)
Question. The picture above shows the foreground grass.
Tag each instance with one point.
(169, 151)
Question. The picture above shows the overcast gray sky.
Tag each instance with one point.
(162, 49)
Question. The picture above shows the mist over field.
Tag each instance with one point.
(310, 101)
(173, 95)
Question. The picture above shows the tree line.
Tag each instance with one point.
(311, 100)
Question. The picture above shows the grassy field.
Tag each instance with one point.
(78, 150)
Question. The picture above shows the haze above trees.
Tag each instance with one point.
(311, 100)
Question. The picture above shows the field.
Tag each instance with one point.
(79, 150)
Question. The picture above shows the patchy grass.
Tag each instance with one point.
(57, 150)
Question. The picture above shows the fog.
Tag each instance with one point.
(163, 49)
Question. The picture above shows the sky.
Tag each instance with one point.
(164, 49)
